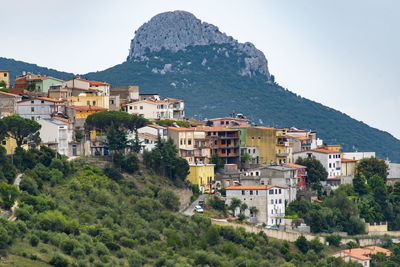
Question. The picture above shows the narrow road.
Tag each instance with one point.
(15, 206)
(190, 210)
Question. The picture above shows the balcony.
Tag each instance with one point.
(281, 155)
(338, 168)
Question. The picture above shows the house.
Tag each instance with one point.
(153, 97)
(43, 83)
(233, 121)
(168, 108)
(40, 108)
(83, 85)
(283, 176)
(90, 99)
(78, 114)
(224, 142)
(22, 81)
(126, 93)
(267, 199)
(10, 145)
(5, 77)
(202, 175)
(8, 103)
(272, 143)
(56, 133)
(184, 140)
(335, 148)
(393, 173)
(361, 255)
(301, 174)
(253, 151)
(331, 161)
(155, 129)
(148, 141)
(348, 170)
(202, 151)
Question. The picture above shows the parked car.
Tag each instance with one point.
(198, 209)
(201, 203)
(208, 191)
(272, 227)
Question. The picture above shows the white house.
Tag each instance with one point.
(168, 108)
(358, 155)
(40, 108)
(56, 133)
(331, 160)
(269, 200)
(78, 83)
(154, 129)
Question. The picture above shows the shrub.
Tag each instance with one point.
(78, 252)
(22, 214)
(59, 261)
(131, 163)
(302, 244)
(168, 198)
(68, 245)
(113, 173)
(101, 249)
(135, 259)
(34, 240)
(334, 240)
(29, 185)
(127, 242)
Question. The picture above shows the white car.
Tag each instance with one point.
(198, 209)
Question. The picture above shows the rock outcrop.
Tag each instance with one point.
(177, 30)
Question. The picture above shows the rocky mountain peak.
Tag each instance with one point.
(177, 30)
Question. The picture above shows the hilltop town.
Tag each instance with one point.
(262, 175)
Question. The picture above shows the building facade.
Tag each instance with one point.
(202, 175)
(5, 76)
(56, 134)
(184, 140)
(8, 103)
(40, 108)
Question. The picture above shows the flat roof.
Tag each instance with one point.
(252, 187)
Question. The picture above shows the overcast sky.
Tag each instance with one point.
(343, 54)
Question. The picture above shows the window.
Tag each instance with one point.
(254, 150)
(112, 102)
(32, 109)
(32, 101)
(5, 74)
(88, 103)
(4, 143)
(243, 192)
(215, 142)
(276, 191)
(257, 192)
(222, 122)
(330, 165)
(251, 192)
(333, 165)
(272, 201)
(330, 156)
(141, 107)
(189, 142)
(272, 212)
(280, 201)
(42, 101)
(227, 122)
(271, 192)
(130, 107)
(276, 201)
(223, 151)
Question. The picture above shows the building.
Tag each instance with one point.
(267, 199)
(393, 173)
(56, 133)
(361, 255)
(202, 151)
(301, 175)
(22, 81)
(282, 145)
(223, 141)
(253, 151)
(5, 77)
(8, 103)
(262, 137)
(148, 136)
(358, 155)
(155, 129)
(168, 108)
(184, 140)
(114, 103)
(348, 170)
(147, 141)
(233, 121)
(40, 108)
(202, 175)
(43, 84)
(331, 161)
(83, 85)
(283, 176)
(78, 114)
(334, 148)
(10, 145)
(126, 93)
(90, 99)
(153, 97)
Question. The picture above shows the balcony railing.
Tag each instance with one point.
(282, 154)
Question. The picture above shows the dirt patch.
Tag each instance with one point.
(184, 197)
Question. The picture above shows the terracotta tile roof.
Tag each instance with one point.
(263, 128)
(251, 187)
(87, 108)
(9, 94)
(51, 99)
(376, 249)
(215, 129)
(293, 165)
(363, 253)
(155, 126)
(181, 129)
(148, 136)
(169, 99)
(93, 83)
(303, 138)
(40, 78)
(18, 91)
(348, 160)
(61, 119)
(326, 151)
(4, 70)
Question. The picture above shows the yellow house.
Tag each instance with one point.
(10, 145)
(90, 99)
(184, 140)
(202, 175)
(282, 145)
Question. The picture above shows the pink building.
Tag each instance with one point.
(233, 121)
(301, 175)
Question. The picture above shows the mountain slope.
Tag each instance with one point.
(206, 78)
(17, 67)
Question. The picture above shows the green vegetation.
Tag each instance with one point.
(315, 171)
(168, 122)
(219, 163)
(20, 129)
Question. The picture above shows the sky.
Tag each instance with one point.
(343, 54)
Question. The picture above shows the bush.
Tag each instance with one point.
(334, 240)
(34, 240)
(216, 203)
(131, 163)
(68, 245)
(168, 198)
(113, 173)
(29, 185)
(101, 249)
(135, 259)
(59, 261)
(302, 244)
(127, 242)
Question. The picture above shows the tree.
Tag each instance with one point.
(246, 157)
(209, 123)
(360, 184)
(235, 203)
(121, 120)
(371, 166)
(169, 199)
(3, 84)
(302, 244)
(315, 170)
(20, 128)
(116, 141)
(215, 159)
(253, 210)
(3, 130)
(136, 144)
(8, 193)
(243, 207)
